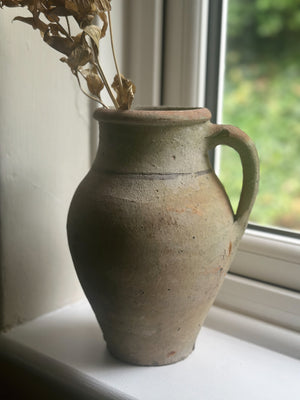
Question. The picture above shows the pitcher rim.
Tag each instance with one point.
(159, 115)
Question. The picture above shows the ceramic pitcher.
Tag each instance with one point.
(151, 229)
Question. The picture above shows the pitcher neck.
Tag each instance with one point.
(157, 149)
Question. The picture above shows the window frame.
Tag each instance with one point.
(192, 54)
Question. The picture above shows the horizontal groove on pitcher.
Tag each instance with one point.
(157, 175)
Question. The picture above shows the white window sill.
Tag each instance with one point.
(67, 345)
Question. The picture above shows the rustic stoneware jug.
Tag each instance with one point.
(151, 230)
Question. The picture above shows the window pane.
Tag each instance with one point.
(262, 97)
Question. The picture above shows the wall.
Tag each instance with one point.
(45, 151)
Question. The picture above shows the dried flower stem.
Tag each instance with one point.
(113, 50)
(68, 35)
(87, 94)
(104, 80)
(56, 20)
(68, 25)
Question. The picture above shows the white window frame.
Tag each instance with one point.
(265, 276)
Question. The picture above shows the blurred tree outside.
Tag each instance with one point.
(262, 97)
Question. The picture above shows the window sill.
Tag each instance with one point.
(68, 348)
(277, 306)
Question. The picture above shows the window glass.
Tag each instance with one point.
(262, 97)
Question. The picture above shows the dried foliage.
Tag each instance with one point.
(125, 90)
(81, 51)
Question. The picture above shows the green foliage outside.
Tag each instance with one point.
(262, 97)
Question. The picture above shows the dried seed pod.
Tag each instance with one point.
(125, 91)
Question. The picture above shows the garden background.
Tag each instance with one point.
(262, 97)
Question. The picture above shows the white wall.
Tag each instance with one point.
(44, 130)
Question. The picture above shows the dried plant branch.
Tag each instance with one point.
(82, 49)
(106, 84)
(56, 20)
(113, 49)
(67, 34)
(94, 98)
(68, 25)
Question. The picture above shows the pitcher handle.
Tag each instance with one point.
(239, 141)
